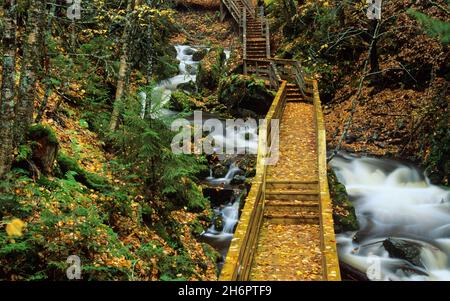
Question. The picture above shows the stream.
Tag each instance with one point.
(246, 139)
(395, 203)
(395, 200)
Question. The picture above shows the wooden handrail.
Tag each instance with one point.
(250, 8)
(267, 37)
(243, 245)
(330, 262)
(234, 10)
(244, 32)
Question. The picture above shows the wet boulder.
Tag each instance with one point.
(189, 87)
(218, 196)
(218, 223)
(245, 95)
(199, 55)
(248, 165)
(170, 66)
(237, 180)
(219, 171)
(188, 51)
(403, 249)
(210, 69)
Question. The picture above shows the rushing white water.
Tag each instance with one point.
(226, 180)
(394, 200)
(161, 94)
(220, 239)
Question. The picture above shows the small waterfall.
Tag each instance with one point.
(163, 91)
(393, 200)
(228, 177)
(229, 213)
(230, 216)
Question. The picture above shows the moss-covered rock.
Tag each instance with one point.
(218, 223)
(196, 227)
(180, 101)
(67, 164)
(211, 69)
(199, 55)
(189, 87)
(167, 65)
(245, 96)
(343, 210)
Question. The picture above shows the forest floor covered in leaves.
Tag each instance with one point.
(402, 108)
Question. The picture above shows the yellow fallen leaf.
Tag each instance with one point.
(15, 227)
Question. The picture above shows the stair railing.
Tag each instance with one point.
(300, 77)
(244, 37)
(234, 10)
(250, 8)
(243, 246)
(267, 37)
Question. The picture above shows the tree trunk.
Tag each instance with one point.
(123, 66)
(374, 65)
(7, 102)
(30, 67)
(287, 13)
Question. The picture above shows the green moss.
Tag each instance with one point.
(39, 131)
(167, 65)
(179, 267)
(91, 180)
(24, 153)
(211, 69)
(244, 95)
(180, 101)
(196, 227)
(344, 214)
(213, 254)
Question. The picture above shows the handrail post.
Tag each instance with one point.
(244, 37)
(267, 38)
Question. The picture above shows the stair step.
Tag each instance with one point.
(257, 40)
(292, 195)
(260, 64)
(292, 204)
(292, 192)
(291, 220)
(291, 184)
(294, 95)
(298, 100)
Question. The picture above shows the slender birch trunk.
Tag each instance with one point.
(7, 99)
(123, 67)
(30, 68)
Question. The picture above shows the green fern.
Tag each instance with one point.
(433, 27)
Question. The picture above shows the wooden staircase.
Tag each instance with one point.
(292, 202)
(286, 229)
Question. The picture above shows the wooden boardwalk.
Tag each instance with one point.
(286, 229)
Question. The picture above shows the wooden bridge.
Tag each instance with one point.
(286, 229)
